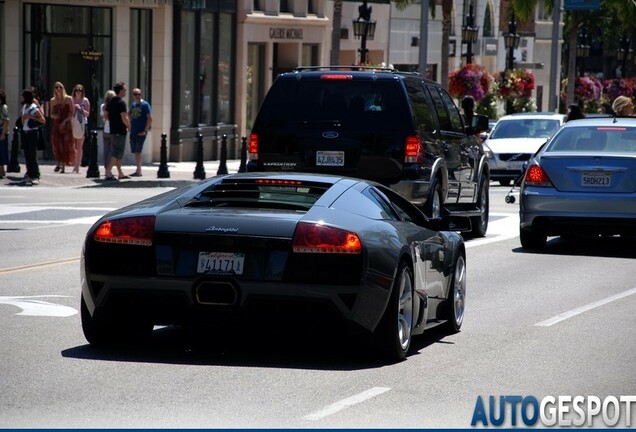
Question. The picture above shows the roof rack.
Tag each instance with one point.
(345, 68)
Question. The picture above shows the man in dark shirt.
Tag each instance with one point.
(117, 114)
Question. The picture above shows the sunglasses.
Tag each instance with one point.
(78, 90)
(136, 94)
(58, 87)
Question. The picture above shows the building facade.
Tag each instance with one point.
(205, 65)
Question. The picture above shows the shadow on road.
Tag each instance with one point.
(593, 246)
(189, 346)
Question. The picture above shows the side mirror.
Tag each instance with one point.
(480, 123)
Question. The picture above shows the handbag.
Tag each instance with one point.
(78, 128)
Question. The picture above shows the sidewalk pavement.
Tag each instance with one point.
(181, 174)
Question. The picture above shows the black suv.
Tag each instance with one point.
(392, 127)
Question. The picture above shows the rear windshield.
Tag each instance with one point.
(262, 193)
(348, 103)
(525, 128)
(603, 139)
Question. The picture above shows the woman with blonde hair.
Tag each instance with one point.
(623, 106)
(61, 106)
(81, 110)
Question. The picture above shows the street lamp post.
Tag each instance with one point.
(469, 34)
(511, 41)
(363, 29)
(624, 53)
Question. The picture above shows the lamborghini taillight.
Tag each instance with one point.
(413, 150)
(129, 231)
(536, 176)
(252, 148)
(318, 238)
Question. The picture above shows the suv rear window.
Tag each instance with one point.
(349, 103)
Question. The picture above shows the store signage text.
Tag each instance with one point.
(285, 33)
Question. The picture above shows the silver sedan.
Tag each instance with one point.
(583, 181)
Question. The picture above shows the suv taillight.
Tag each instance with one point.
(252, 147)
(413, 150)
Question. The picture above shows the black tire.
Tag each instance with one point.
(434, 203)
(456, 301)
(101, 333)
(95, 332)
(394, 333)
(531, 239)
(479, 224)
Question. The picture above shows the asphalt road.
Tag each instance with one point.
(558, 323)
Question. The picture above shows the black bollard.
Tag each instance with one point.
(163, 163)
(243, 166)
(93, 168)
(199, 171)
(86, 150)
(14, 166)
(223, 162)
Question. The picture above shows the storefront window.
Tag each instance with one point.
(205, 59)
(205, 68)
(225, 68)
(71, 44)
(186, 83)
(255, 80)
(141, 51)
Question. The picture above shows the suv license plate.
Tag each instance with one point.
(330, 158)
(220, 263)
(596, 179)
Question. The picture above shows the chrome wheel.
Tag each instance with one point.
(459, 293)
(405, 309)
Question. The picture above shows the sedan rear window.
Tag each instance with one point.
(605, 139)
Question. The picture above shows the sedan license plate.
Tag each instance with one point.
(330, 158)
(220, 263)
(596, 179)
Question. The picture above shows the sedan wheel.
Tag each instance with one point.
(457, 296)
(393, 334)
(530, 239)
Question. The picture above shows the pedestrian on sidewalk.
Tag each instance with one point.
(117, 115)
(81, 111)
(140, 122)
(107, 138)
(32, 121)
(4, 133)
(61, 106)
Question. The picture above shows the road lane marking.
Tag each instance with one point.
(32, 307)
(505, 228)
(577, 311)
(346, 403)
(38, 265)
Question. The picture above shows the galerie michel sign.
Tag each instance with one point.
(285, 33)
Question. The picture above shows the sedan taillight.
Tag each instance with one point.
(536, 176)
(252, 148)
(317, 238)
(413, 150)
(129, 231)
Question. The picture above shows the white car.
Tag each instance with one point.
(514, 139)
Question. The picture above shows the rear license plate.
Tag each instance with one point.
(220, 263)
(596, 179)
(330, 158)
